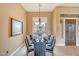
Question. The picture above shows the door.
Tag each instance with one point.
(70, 32)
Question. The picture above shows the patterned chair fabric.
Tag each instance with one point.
(49, 48)
(30, 47)
(50, 40)
(29, 39)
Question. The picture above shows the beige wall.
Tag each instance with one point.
(29, 21)
(7, 11)
(8, 43)
(56, 21)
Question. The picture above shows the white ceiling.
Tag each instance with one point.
(45, 7)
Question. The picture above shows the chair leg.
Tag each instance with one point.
(45, 54)
(52, 53)
(26, 53)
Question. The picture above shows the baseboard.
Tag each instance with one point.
(77, 44)
(17, 49)
(64, 45)
(60, 45)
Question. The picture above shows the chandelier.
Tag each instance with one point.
(40, 26)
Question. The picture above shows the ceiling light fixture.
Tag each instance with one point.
(39, 13)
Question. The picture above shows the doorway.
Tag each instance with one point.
(70, 32)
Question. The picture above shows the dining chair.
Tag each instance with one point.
(50, 48)
(29, 47)
(29, 39)
(50, 40)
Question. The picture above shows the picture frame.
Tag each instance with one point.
(16, 27)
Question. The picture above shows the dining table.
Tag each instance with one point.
(39, 48)
(40, 45)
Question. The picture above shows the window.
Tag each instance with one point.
(43, 26)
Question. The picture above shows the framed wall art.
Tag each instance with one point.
(16, 27)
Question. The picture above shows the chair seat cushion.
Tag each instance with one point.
(48, 44)
(49, 51)
(49, 47)
(31, 44)
(30, 48)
